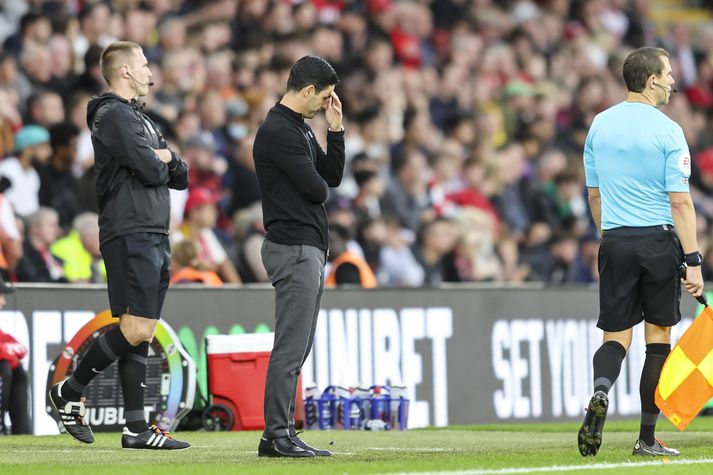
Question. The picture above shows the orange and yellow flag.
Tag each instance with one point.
(686, 382)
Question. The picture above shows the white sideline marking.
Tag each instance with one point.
(416, 449)
(52, 451)
(564, 468)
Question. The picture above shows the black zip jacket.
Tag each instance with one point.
(132, 183)
(295, 175)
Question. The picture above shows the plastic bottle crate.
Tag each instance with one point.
(378, 408)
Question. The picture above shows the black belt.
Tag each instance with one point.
(639, 231)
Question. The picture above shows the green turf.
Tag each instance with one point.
(467, 449)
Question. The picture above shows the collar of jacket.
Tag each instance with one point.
(132, 102)
(289, 113)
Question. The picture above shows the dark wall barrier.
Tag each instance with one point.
(465, 355)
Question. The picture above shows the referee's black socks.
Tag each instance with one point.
(107, 349)
(607, 365)
(656, 354)
(132, 373)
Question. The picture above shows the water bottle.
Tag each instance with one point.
(399, 406)
(342, 408)
(311, 409)
(354, 415)
(380, 403)
(360, 398)
(326, 403)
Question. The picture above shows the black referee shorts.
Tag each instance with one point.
(138, 270)
(638, 278)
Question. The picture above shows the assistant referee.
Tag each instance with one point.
(637, 166)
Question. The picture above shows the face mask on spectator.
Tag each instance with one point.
(237, 131)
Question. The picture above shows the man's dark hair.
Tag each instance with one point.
(29, 19)
(62, 134)
(311, 70)
(640, 64)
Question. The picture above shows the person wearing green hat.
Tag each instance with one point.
(33, 148)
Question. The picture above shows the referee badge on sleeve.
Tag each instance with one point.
(684, 164)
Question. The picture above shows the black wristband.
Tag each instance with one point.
(694, 259)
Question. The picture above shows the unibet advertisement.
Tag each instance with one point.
(466, 355)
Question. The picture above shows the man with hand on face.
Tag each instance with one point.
(294, 175)
(134, 169)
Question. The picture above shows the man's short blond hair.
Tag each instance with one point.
(114, 55)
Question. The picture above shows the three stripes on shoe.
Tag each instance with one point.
(156, 440)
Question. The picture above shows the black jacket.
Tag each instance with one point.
(132, 183)
(295, 175)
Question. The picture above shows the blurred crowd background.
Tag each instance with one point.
(465, 121)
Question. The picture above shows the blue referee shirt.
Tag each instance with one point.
(635, 155)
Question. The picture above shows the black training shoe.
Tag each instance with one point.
(301, 444)
(152, 438)
(658, 449)
(590, 435)
(281, 447)
(71, 415)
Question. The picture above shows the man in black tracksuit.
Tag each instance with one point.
(134, 169)
(295, 175)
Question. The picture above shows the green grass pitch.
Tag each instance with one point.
(471, 450)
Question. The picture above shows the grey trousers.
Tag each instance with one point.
(297, 273)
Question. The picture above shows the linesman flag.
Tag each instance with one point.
(686, 382)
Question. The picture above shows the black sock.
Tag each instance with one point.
(656, 354)
(5, 379)
(607, 365)
(107, 349)
(132, 372)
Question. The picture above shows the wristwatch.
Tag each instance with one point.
(694, 259)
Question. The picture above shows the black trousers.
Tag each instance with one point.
(13, 398)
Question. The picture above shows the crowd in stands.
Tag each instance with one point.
(465, 122)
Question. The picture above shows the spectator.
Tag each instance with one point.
(10, 237)
(79, 250)
(346, 267)
(35, 70)
(241, 171)
(34, 27)
(13, 379)
(91, 81)
(436, 240)
(407, 197)
(59, 188)
(45, 108)
(37, 263)
(398, 265)
(248, 234)
(187, 268)
(201, 217)
(33, 150)
(206, 169)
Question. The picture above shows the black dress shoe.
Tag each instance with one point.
(281, 447)
(317, 452)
